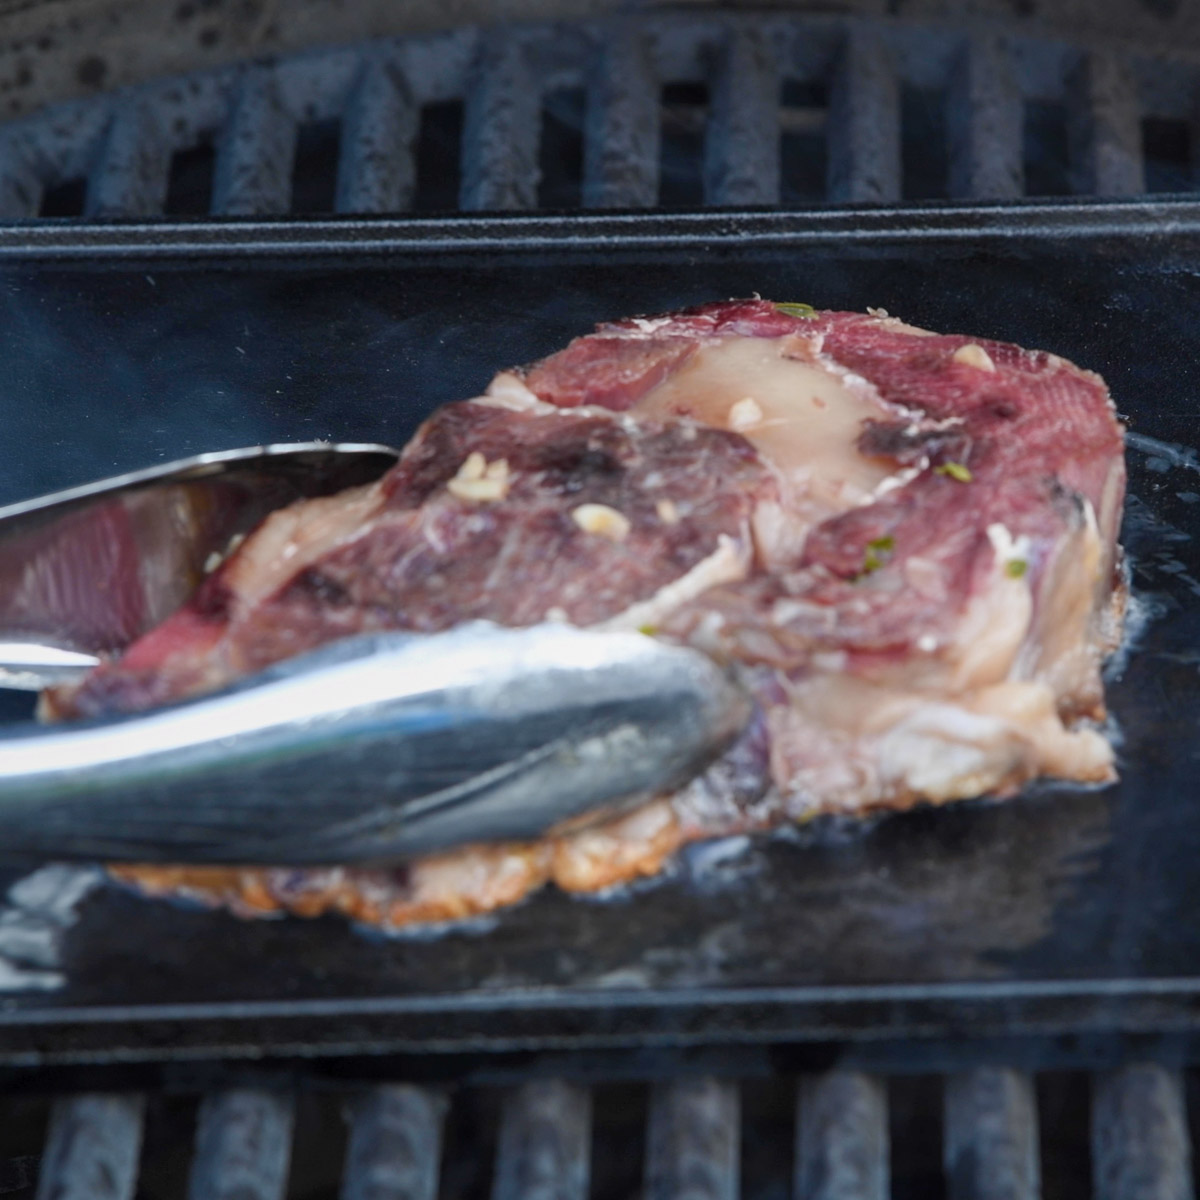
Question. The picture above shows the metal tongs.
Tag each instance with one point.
(372, 748)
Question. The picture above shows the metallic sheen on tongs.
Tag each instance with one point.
(376, 748)
(85, 571)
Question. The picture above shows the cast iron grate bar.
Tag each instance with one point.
(378, 171)
(257, 146)
(243, 1144)
(130, 179)
(500, 136)
(985, 116)
(622, 130)
(545, 1136)
(991, 1136)
(119, 148)
(742, 150)
(693, 1140)
(1140, 1144)
(92, 1149)
(395, 1145)
(864, 123)
(842, 1144)
(550, 1146)
(1104, 128)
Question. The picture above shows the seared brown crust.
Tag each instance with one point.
(444, 887)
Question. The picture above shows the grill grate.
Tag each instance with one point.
(359, 115)
(659, 109)
(548, 1145)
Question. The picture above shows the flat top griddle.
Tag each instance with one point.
(1064, 909)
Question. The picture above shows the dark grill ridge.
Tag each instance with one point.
(988, 1133)
(677, 109)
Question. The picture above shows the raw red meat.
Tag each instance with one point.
(905, 542)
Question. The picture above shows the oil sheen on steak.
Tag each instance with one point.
(905, 542)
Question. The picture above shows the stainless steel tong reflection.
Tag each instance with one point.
(373, 748)
(85, 571)
(369, 749)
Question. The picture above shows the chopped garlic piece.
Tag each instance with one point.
(479, 481)
(217, 557)
(478, 491)
(473, 467)
(668, 512)
(877, 312)
(1008, 549)
(601, 520)
(974, 355)
(745, 414)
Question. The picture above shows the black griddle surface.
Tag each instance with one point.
(1064, 909)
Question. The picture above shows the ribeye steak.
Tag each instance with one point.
(905, 543)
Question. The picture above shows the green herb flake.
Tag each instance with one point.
(1015, 568)
(805, 311)
(955, 471)
(648, 630)
(878, 551)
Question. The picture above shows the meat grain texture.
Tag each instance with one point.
(905, 543)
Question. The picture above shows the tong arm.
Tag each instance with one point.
(374, 748)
